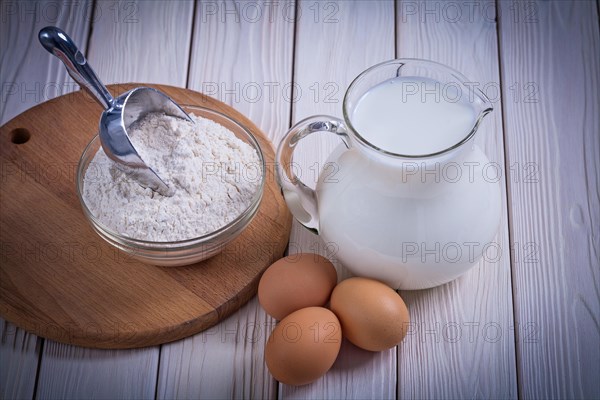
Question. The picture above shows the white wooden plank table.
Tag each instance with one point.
(524, 325)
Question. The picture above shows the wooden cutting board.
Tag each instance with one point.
(60, 280)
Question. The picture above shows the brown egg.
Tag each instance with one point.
(295, 282)
(303, 346)
(373, 316)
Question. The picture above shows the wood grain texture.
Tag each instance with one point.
(551, 70)
(335, 41)
(462, 345)
(28, 76)
(141, 41)
(118, 43)
(53, 285)
(225, 361)
(19, 355)
(246, 62)
(68, 372)
(244, 58)
(554, 204)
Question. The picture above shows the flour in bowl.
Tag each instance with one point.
(214, 174)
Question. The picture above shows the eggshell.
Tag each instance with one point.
(295, 282)
(373, 316)
(303, 346)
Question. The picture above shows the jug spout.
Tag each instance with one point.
(483, 103)
(483, 107)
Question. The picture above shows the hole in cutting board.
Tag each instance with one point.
(19, 136)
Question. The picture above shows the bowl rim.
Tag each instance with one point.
(250, 211)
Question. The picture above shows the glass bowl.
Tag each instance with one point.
(184, 252)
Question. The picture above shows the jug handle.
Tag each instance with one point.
(301, 199)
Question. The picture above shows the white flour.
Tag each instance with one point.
(215, 176)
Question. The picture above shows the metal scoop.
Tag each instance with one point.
(119, 113)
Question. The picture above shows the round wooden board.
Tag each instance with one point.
(60, 280)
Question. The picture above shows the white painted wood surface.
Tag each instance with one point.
(142, 41)
(334, 43)
(19, 354)
(244, 61)
(545, 59)
(463, 344)
(29, 76)
(74, 372)
(551, 54)
(70, 372)
(225, 361)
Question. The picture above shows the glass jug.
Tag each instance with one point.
(411, 219)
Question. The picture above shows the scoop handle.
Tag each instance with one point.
(57, 42)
